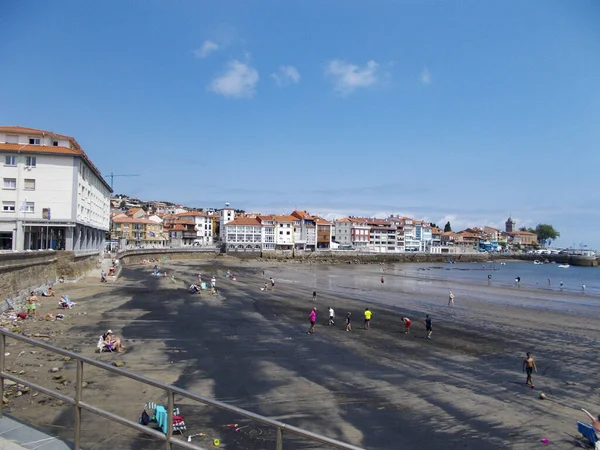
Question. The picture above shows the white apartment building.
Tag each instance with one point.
(284, 232)
(243, 234)
(53, 196)
(268, 232)
(203, 227)
(305, 231)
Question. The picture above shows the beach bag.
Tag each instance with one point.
(145, 418)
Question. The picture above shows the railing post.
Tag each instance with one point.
(2, 367)
(279, 438)
(170, 408)
(77, 411)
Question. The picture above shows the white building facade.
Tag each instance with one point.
(203, 227)
(53, 197)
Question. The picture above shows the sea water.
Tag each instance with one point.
(532, 275)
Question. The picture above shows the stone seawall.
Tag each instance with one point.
(137, 256)
(22, 272)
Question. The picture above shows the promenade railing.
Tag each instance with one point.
(79, 405)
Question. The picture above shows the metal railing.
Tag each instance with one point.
(79, 405)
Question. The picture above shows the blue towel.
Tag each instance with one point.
(161, 417)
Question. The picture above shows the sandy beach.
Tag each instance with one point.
(379, 389)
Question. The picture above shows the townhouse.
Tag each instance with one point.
(305, 231)
(324, 233)
(137, 232)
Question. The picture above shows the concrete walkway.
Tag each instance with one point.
(16, 435)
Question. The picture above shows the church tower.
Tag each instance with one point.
(511, 225)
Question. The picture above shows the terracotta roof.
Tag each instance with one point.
(245, 221)
(77, 151)
(284, 218)
(133, 220)
(521, 233)
(344, 220)
(192, 214)
(321, 221)
(301, 214)
(132, 211)
(17, 129)
(266, 217)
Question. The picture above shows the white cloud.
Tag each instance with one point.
(425, 77)
(286, 75)
(347, 77)
(239, 81)
(206, 49)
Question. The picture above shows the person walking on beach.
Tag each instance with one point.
(31, 304)
(428, 326)
(314, 296)
(368, 315)
(349, 321)
(583, 288)
(518, 281)
(331, 316)
(382, 280)
(529, 367)
(489, 279)
(451, 299)
(561, 285)
(272, 282)
(406, 321)
(549, 281)
(312, 319)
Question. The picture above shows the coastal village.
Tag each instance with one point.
(155, 224)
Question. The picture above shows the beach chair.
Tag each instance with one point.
(587, 431)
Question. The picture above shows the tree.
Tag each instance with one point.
(433, 225)
(546, 234)
(447, 227)
(122, 204)
(529, 230)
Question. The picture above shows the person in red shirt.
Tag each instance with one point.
(406, 321)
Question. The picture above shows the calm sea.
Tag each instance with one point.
(532, 276)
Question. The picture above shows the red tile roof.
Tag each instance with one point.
(245, 221)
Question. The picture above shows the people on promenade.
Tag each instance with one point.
(529, 367)
(31, 304)
(406, 321)
(428, 327)
(349, 321)
(450, 299)
(312, 319)
(331, 316)
(368, 315)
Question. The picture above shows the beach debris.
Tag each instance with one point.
(216, 442)
(118, 363)
(542, 396)
(231, 425)
(189, 439)
(54, 370)
(544, 441)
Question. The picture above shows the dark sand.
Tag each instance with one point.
(379, 389)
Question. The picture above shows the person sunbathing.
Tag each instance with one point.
(112, 342)
(66, 303)
(48, 293)
(595, 424)
(194, 289)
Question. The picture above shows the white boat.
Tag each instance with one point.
(537, 263)
(564, 266)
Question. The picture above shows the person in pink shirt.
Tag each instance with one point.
(313, 318)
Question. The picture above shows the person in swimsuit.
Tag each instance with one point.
(595, 426)
(349, 321)
(406, 321)
(529, 367)
(451, 299)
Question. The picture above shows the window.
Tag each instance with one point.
(8, 206)
(29, 184)
(55, 143)
(30, 162)
(10, 160)
(34, 141)
(281, 233)
(288, 233)
(10, 183)
(29, 207)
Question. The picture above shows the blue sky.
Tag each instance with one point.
(465, 111)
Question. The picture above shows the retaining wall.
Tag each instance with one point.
(136, 256)
(22, 272)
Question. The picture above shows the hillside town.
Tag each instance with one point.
(155, 224)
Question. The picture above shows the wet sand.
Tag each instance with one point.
(380, 389)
